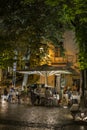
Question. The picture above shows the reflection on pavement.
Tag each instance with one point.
(24, 117)
(4, 106)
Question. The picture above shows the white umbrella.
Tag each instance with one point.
(46, 71)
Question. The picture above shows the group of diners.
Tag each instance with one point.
(45, 95)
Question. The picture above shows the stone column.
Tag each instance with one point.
(58, 84)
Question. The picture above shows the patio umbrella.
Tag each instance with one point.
(46, 71)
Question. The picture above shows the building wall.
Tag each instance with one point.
(70, 56)
(71, 50)
(70, 46)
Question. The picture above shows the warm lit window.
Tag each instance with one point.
(57, 52)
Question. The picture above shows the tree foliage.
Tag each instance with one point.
(27, 22)
(78, 16)
(75, 13)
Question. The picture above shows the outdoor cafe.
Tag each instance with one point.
(48, 73)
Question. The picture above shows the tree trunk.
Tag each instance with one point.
(85, 91)
(83, 83)
(84, 88)
(25, 78)
(85, 79)
(0, 74)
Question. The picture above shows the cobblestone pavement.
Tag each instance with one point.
(25, 117)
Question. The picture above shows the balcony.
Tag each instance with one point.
(59, 60)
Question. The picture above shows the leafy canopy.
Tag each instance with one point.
(25, 23)
(75, 13)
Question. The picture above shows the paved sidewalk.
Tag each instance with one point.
(25, 117)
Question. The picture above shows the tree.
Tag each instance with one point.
(6, 52)
(27, 24)
(75, 14)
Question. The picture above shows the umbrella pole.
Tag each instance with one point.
(46, 79)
